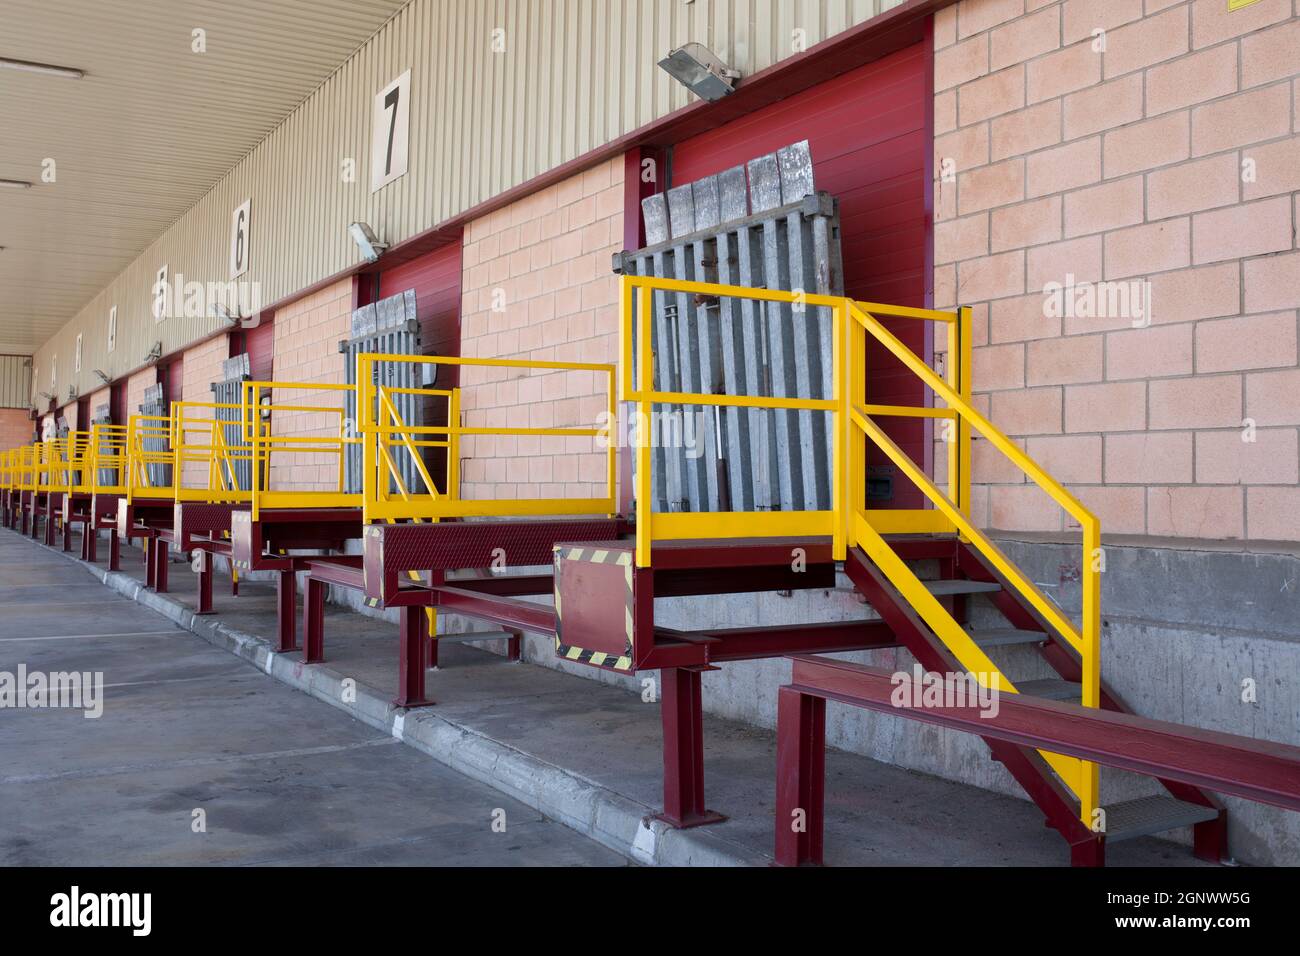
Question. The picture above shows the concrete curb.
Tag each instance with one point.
(611, 819)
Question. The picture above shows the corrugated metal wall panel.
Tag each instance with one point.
(148, 133)
(575, 74)
(15, 381)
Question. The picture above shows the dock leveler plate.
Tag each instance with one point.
(591, 625)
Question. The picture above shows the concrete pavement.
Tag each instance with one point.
(190, 733)
(588, 754)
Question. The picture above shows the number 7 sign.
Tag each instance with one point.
(390, 127)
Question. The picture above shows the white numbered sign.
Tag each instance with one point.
(239, 239)
(161, 295)
(390, 127)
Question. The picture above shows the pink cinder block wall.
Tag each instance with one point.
(537, 285)
(307, 333)
(15, 428)
(1166, 155)
(201, 367)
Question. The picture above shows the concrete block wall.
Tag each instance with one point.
(136, 386)
(307, 333)
(1119, 142)
(537, 285)
(200, 368)
(15, 428)
(99, 398)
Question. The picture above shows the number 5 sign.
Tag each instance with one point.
(389, 129)
(239, 239)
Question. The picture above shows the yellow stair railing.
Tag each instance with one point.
(1080, 776)
(851, 523)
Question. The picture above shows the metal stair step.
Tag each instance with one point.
(1005, 636)
(1149, 815)
(957, 586)
(1050, 688)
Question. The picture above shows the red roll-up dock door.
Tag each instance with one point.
(869, 133)
(435, 277)
(259, 342)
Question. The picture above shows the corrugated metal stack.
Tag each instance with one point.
(155, 403)
(234, 372)
(761, 225)
(102, 416)
(388, 327)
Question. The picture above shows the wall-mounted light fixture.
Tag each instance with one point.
(27, 66)
(15, 184)
(154, 355)
(102, 376)
(701, 71)
(72, 393)
(219, 311)
(370, 245)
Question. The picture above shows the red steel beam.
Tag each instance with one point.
(499, 609)
(1258, 770)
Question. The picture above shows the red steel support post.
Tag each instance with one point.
(800, 777)
(161, 559)
(313, 622)
(67, 534)
(1210, 839)
(683, 720)
(410, 659)
(286, 592)
(205, 583)
(114, 551)
(150, 578)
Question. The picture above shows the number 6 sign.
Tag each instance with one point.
(239, 239)
(389, 129)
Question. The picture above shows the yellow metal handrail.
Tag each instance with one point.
(24, 475)
(108, 456)
(1080, 776)
(216, 457)
(381, 430)
(638, 388)
(74, 454)
(139, 429)
(257, 437)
